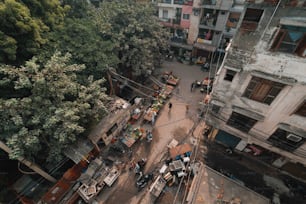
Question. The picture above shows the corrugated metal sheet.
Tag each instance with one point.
(79, 151)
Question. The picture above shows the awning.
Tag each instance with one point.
(179, 150)
(79, 151)
(185, 46)
(203, 46)
(246, 112)
(227, 139)
(291, 129)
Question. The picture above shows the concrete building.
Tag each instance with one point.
(200, 27)
(259, 94)
(209, 186)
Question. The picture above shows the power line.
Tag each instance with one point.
(195, 148)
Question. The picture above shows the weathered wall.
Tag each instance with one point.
(194, 24)
(282, 67)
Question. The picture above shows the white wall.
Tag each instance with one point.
(280, 111)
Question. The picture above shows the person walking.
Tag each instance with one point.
(170, 106)
(187, 108)
(153, 117)
(192, 86)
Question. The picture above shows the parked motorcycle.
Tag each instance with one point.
(205, 67)
(143, 180)
(149, 136)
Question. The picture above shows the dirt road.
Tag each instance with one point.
(170, 124)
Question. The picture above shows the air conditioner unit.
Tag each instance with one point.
(294, 138)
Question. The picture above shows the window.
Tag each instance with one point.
(165, 14)
(290, 39)
(241, 122)
(112, 129)
(262, 90)
(233, 20)
(301, 110)
(229, 75)
(215, 108)
(286, 140)
(251, 19)
(186, 16)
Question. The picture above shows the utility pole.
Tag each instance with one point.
(29, 164)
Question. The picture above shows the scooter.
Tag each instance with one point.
(205, 67)
(149, 136)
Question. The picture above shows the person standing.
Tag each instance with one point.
(170, 106)
(153, 117)
(192, 86)
(187, 108)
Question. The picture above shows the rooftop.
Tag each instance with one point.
(210, 186)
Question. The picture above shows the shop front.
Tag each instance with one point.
(227, 139)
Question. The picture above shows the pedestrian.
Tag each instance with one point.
(187, 108)
(192, 86)
(153, 117)
(170, 106)
(178, 90)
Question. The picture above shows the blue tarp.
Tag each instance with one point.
(227, 139)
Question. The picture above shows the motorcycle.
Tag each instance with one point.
(143, 180)
(149, 136)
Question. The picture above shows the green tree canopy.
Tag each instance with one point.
(80, 37)
(136, 33)
(23, 25)
(53, 111)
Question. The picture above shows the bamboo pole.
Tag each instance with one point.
(29, 164)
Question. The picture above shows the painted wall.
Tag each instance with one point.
(186, 10)
(280, 111)
(171, 12)
(194, 23)
(250, 53)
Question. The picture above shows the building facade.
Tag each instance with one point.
(259, 94)
(200, 27)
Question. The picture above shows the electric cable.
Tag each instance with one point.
(25, 172)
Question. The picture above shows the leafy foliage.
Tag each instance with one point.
(136, 33)
(54, 114)
(80, 38)
(23, 25)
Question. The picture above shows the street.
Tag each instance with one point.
(174, 124)
(182, 125)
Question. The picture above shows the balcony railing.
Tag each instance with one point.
(170, 21)
(165, 1)
(209, 2)
(183, 2)
(179, 40)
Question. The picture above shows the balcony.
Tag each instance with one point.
(183, 2)
(209, 18)
(165, 1)
(217, 4)
(171, 22)
(179, 39)
(209, 2)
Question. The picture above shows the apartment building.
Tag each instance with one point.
(200, 27)
(259, 94)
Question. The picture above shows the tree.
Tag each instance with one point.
(136, 33)
(80, 37)
(23, 25)
(53, 111)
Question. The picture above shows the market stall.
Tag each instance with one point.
(131, 135)
(170, 79)
(152, 111)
